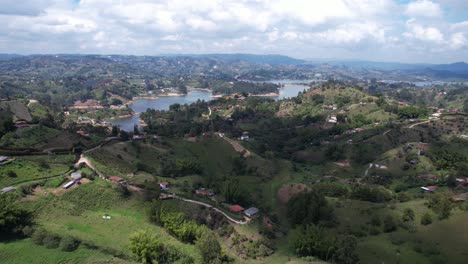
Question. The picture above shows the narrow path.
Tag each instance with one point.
(420, 123)
(238, 147)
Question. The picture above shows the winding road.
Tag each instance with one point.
(239, 222)
(88, 163)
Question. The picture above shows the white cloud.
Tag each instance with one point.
(302, 28)
(419, 32)
(458, 40)
(423, 8)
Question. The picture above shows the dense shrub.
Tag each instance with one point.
(371, 194)
(69, 244)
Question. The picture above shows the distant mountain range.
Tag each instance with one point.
(453, 70)
(273, 59)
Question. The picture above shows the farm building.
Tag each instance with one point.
(429, 188)
(204, 192)
(76, 176)
(116, 179)
(68, 184)
(236, 208)
(3, 159)
(251, 212)
(164, 185)
(8, 189)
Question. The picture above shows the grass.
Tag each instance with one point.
(29, 136)
(65, 159)
(25, 251)
(79, 213)
(28, 171)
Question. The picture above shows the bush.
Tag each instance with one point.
(426, 219)
(69, 244)
(390, 224)
(27, 231)
(51, 241)
(38, 236)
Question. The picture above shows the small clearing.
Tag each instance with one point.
(238, 147)
(286, 192)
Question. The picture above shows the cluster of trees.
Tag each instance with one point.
(180, 167)
(148, 249)
(371, 194)
(6, 122)
(314, 240)
(412, 112)
(309, 213)
(184, 229)
(175, 222)
(449, 155)
(12, 216)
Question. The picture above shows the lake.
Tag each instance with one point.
(163, 103)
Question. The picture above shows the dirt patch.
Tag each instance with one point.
(343, 163)
(238, 147)
(289, 190)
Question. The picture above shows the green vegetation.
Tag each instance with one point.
(19, 171)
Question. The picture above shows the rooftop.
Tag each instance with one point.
(236, 208)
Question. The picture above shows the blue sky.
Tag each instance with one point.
(430, 31)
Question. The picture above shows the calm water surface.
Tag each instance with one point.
(163, 103)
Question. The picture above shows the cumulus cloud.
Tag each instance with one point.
(419, 32)
(354, 28)
(423, 8)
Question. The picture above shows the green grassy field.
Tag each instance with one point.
(65, 159)
(29, 136)
(79, 213)
(27, 171)
(25, 251)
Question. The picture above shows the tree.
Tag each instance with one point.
(144, 247)
(346, 250)
(408, 215)
(426, 219)
(390, 223)
(440, 204)
(69, 244)
(308, 207)
(209, 247)
(12, 217)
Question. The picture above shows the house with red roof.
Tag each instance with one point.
(116, 179)
(236, 208)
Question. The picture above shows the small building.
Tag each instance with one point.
(20, 124)
(236, 208)
(462, 181)
(8, 189)
(332, 119)
(163, 185)
(76, 176)
(3, 159)
(244, 137)
(82, 133)
(429, 188)
(68, 184)
(116, 179)
(251, 212)
(204, 192)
